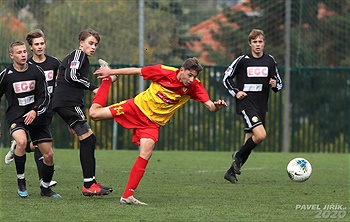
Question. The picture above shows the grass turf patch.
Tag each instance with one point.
(183, 186)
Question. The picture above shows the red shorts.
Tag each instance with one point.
(127, 114)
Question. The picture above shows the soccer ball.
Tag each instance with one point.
(299, 169)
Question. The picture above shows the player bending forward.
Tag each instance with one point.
(170, 88)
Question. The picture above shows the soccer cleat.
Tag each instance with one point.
(105, 64)
(231, 178)
(47, 192)
(10, 154)
(110, 189)
(236, 164)
(131, 201)
(94, 190)
(22, 190)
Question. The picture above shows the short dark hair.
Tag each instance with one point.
(13, 44)
(89, 32)
(192, 64)
(37, 33)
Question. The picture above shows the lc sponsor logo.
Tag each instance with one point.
(166, 99)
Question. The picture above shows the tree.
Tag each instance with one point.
(176, 35)
(165, 37)
(317, 39)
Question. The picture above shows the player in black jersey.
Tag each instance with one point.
(25, 88)
(68, 103)
(249, 79)
(37, 43)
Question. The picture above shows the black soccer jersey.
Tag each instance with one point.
(50, 67)
(252, 75)
(72, 80)
(24, 90)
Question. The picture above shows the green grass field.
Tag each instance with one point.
(184, 186)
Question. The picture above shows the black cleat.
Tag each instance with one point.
(231, 177)
(47, 192)
(110, 189)
(236, 164)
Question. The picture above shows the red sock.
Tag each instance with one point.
(102, 92)
(135, 177)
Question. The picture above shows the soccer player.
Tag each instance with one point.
(37, 43)
(255, 74)
(27, 98)
(68, 103)
(170, 89)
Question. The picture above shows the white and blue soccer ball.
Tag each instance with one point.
(299, 169)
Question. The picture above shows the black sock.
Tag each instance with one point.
(93, 156)
(47, 172)
(28, 150)
(21, 182)
(246, 149)
(87, 159)
(39, 160)
(20, 162)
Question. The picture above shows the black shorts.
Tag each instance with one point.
(37, 133)
(75, 117)
(44, 120)
(71, 115)
(252, 119)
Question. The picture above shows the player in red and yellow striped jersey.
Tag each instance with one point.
(170, 88)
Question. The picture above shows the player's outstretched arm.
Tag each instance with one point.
(216, 105)
(105, 71)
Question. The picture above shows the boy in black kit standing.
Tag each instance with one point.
(37, 43)
(68, 103)
(255, 73)
(25, 88)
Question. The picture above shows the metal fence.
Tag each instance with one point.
(319, 116)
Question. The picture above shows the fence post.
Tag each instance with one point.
(286, 114)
